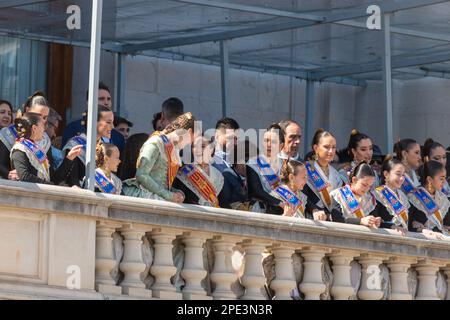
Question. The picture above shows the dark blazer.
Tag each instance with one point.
(234, 189)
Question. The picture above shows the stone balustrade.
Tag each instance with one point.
(58, 243)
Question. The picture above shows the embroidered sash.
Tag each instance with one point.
(202, 184)
(318, 182)
(431, 207)
(267, 172)
(172, 167)
(79, 140)
(104, 184)
(291, 199)
(9, 136)
(41, 161)
(76, 141)
(408, 185)
(395, 205)
(13, 131)
(350, 202)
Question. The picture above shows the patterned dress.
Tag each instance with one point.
(152, 181)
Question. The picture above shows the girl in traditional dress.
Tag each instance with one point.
(322, 177)
(262, 173)
(159, 161)
(435, 151)
(293, 178)
(354, 203)
(200, 182)
(360, 148)
(392, 204)
(429, 205)
(105, 123)
(30, 160)
(8, 136)
(408, 152)
(107, 160)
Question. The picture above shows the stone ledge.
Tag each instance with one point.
(19, 291)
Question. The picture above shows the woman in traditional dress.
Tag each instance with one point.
(159, 161)
(360, 148)
(354, 203)
(429, 205)
(200, 182)
(392, 204)
(29, 160)
(107, 160)
(408, 152)
(323, 178)
(105, 123)
(262, 173)
(8, 136)
(435, 151)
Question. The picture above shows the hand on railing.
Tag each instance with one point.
(289, 211)
(320, 215)
(13, 176)
(178, 197)
(399, 229)
(371, 222)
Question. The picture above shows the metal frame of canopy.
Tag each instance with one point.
(297, 20)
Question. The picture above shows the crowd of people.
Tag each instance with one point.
(405, 191)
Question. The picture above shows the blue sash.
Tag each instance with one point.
(289, 197)
(267, 172)
(351, 202)
(426, 200)
(104, 184)
(399, 209)
(391, 198)
(80, 141)
(407, 185)
(38, 153)
(316, 178)
(13, 131)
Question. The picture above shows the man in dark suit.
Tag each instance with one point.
(234, 191)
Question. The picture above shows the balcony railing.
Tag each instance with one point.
(59, 243)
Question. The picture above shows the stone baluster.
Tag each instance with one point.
(447, 273)
(133, 264)
(312, 285)
(105, 260)
(427, 276)
(193, 271)
(342, 288)
(284, 281)
(253, 279)
(223, 275)
(399, 277)
(163, 267)
(371, 286)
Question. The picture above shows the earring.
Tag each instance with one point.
(291, 185)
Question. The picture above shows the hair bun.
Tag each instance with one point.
(388, 157)
(354, 132)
